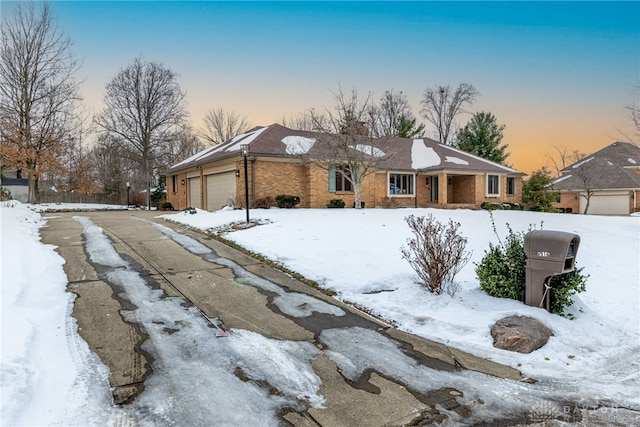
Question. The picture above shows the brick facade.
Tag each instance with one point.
(310, 182)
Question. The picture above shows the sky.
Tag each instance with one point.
(557, 74)
(48, 375)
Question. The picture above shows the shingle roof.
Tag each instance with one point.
(608, 169)
(403, 154)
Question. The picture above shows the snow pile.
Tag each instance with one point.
(47, 370)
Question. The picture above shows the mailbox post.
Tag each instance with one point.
(548, 253)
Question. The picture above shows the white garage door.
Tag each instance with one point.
(607, 204)
(194, 193)
(221, 189)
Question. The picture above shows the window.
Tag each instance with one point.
(511, 186)
(338, 180)
(174, 183)
(493, 185)
(400, 183)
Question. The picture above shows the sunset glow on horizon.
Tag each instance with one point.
(557, 74)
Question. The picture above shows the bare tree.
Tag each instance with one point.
(221, 125)
(441, 105)
(349, 147)
(634, 112)
(185, 143)
(563, 155)
(145, 109)
(394, 116)
(584, 169)
(38, 93)
(302, 121)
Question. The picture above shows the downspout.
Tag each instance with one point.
(253, 181)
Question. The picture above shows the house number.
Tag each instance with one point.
(543, 253)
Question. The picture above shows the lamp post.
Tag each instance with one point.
(244, 148)
(128, 194)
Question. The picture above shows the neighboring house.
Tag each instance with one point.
(19, 188)
(414, 173)
(609, 180)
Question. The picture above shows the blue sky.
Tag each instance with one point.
(555, 73)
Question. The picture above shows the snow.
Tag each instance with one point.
(632, 161)
(582, 163)
(368, 149)
(422, 156)
(48, 376)
(455, 160)
(562, 178)
(244, 139)
(595, 355)
(298, 145)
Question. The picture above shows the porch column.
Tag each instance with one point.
(443, 188)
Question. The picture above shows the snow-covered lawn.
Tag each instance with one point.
(595, 357)
(48, 376)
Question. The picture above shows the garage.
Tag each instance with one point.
(221, 190)
(194, 192)
(613, 203)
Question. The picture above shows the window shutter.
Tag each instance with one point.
(332, 179)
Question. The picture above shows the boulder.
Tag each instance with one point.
(520, 333)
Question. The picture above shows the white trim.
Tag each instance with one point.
(486, 185)
(413, 175)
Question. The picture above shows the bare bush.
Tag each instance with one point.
(436, 252)
(387, 203)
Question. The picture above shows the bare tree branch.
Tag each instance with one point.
(221, 125)
(441, 105)
(38, 93)
(145, 109)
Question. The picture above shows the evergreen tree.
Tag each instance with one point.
(537, 192)
(482, 136)
(407, 128)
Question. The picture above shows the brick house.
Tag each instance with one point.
(611, 174)
(412, 173)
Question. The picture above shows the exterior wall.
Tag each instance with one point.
(569, 202)
(503, 197)
(178, 199)
(271, 177)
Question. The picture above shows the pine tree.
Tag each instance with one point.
(537, 192)
(482, 136)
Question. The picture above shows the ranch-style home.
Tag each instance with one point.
(410, 173)
(612, 177)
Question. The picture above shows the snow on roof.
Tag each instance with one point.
(368, 149)
(455, 160)
(562, 178)
(197, 156)
(244, 139)
(579, 164)
(297, 145)
(423, 156)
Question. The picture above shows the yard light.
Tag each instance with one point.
(244, 149)
(128, 187)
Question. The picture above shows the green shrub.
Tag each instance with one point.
(502, 270)
(502, 273)
(491, 206)
(287, 201)
(336, 203)
(5, 194)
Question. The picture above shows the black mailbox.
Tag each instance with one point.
(548, 253)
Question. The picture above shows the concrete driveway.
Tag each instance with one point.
(353, 355)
